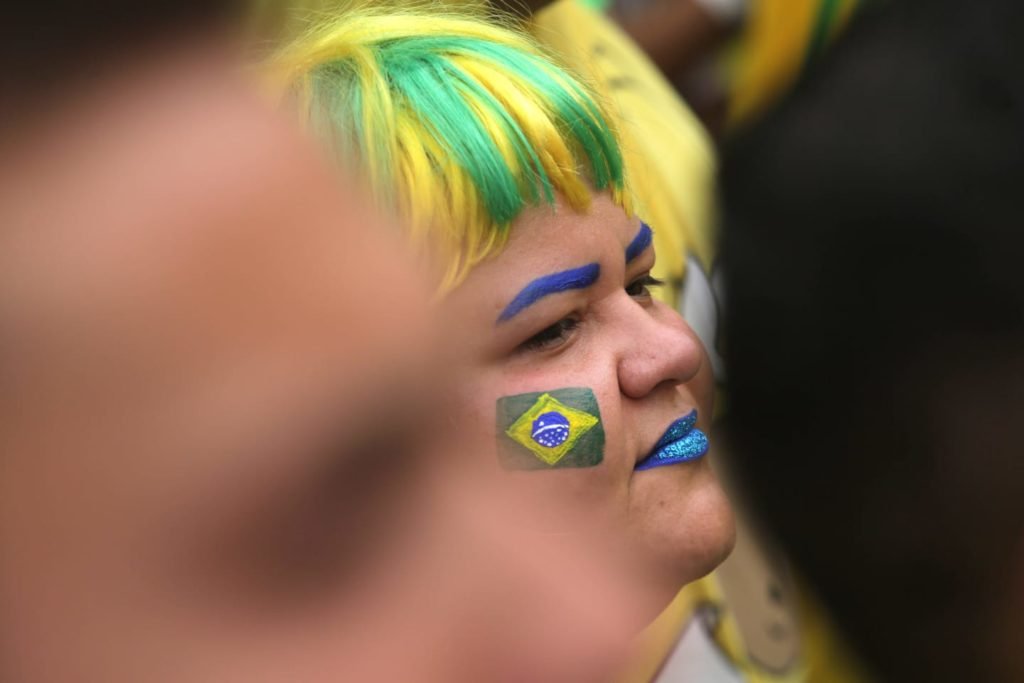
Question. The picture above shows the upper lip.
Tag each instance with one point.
(679, 428)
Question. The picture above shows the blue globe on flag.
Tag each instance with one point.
(550, 429)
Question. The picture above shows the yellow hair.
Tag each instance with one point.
(457, 124)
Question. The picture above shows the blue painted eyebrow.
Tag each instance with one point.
(576, 278)
(639, 243)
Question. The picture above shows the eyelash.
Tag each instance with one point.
(557, 333)
(644, 284)
(551, 335)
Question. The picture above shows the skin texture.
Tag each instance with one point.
(218, 455)
(639, 358)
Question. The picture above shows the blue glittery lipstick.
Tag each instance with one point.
(681, 442)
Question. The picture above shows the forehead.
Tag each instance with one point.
(561, 237)
(546, 240)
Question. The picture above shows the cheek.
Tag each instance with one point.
(473, 417)
(702, 386)
(681, 521)
(592, 476)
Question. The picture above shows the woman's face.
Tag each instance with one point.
(576, 375)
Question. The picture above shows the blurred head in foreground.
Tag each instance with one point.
(508, 173)
(876, 336)
(220, 457)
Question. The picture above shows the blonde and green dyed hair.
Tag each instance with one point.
(457, 124)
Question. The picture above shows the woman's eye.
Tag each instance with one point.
(551, 336)
(640, 288)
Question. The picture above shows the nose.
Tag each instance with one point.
(657, 346)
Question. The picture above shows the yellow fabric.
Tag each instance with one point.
(826, 658)
(668, 155)
(772, 49)
(658, 639)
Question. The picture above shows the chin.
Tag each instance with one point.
(686, 530)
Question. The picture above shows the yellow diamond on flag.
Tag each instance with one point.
(550, 429)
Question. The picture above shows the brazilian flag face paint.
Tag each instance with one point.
(548, 430)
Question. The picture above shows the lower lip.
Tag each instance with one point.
(682, 442)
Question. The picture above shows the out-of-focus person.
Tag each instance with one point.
(875, 335)
(223, 455)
